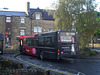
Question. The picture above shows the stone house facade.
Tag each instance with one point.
(14, 24)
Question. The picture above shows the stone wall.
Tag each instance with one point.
(29, 25)
(16, 26)
(45, 24)
(2, 27)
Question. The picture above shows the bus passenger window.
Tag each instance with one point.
(48, 41)
(41, 41)
(52, 41)
(32, 42)
(27, 42)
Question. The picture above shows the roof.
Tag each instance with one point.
(45, 14)
(12, 13)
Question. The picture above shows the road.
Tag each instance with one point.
(86, 66)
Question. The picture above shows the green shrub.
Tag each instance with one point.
(85, 51)
(93, 53)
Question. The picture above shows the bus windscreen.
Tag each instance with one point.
(66, 37)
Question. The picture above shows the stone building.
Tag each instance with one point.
(42, 20)
(13, 24)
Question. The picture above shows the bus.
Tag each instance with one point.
(50, 45)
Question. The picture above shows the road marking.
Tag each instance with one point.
(43, 67)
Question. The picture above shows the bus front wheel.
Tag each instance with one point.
(41, 55)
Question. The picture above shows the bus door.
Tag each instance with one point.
(21, 45)
(27, 48)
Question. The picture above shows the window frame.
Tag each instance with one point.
(8, 19)
(37, 29)
(23, 31)
(22, 20)
(37, 16)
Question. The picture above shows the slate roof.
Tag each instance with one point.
(12, 13)
(45, 14)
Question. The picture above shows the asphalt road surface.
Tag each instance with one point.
(86, 66)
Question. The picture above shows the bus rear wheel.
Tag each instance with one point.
(41, 56)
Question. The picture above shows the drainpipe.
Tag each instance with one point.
(31, 26)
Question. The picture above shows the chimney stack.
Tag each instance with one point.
(28, 8)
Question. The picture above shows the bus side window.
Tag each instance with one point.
(41, 41)
(36, 41)
(31, 42)
(27, 42)
(47, 41)
(52, 41)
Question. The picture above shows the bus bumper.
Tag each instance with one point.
(68, 56)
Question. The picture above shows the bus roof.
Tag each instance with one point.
(33, 35)
(27, 36)
(59, 31)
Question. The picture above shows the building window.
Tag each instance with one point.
(22, 19)
(37, 29)
(49, 29)
(37, 16)
(8, 19)
(22, 31)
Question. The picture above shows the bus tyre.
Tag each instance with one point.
(41, 55)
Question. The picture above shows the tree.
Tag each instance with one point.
(63, 16)
(79, 13)
(86, 23)
(97, 33)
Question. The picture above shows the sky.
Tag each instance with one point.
(20, 5)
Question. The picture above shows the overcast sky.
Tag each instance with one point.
(20, 5)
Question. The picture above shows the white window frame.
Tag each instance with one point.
(37, 29)
(8, 19)
(22, 31)
(37, 16)
(22, 19)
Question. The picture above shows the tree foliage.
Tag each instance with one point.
(97, 33)
(79, 14)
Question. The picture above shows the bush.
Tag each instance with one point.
(85, 51)
(93, 53)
